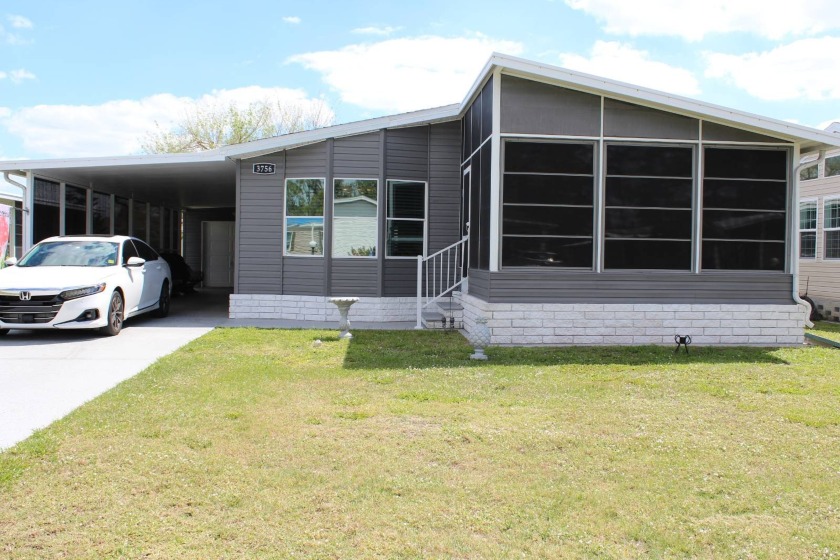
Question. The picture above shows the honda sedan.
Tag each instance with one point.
(83, 282)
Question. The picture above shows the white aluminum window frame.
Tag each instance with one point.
(813, 230)
(286, 217)
(332, 229)
(827, 201)
(425, 218)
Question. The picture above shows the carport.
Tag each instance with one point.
(175, 202)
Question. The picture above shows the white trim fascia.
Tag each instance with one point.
(111, 161)
(259, 148)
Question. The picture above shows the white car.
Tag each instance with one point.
(83, 282)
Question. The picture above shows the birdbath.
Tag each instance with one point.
(343, 304)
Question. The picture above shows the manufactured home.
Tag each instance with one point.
(562, 207)
(819, 231)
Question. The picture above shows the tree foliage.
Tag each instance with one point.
(205, 127)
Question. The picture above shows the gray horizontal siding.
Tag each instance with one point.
(307, 161)
(303, 276)
(407, 153)
(551, 286)
(260, 229)
(444, 185)
(529, 107)
(357, 156)
(400, 278)
(355, 277)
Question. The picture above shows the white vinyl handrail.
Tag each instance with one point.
(439, 274)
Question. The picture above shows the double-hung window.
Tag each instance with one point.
(304, 217)
(406, 219)
(808, 229)
(354, 225)
(831, 225)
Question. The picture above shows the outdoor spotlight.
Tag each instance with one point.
(682, 340)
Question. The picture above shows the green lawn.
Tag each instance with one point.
(259, 444)
(827, 329)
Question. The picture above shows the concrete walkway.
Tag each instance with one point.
(44, 375)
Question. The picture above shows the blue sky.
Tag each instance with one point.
(90, 78)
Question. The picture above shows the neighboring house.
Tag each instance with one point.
(589, 211)
(819, 232)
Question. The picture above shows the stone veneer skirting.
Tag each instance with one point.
(318, 308)
(557, 324)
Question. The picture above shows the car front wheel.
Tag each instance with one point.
(163, 301)
(115, 315)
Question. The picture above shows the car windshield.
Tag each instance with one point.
(72, 253)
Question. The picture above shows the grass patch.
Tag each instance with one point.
(827, 329)
(257, 443)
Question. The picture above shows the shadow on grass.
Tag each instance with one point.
(435, 349)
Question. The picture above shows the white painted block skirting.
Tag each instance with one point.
(543, 324)
(554, 324)
(318, 308)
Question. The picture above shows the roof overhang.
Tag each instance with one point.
(809, 139)
(201, 180)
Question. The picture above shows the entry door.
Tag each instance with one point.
(465, 217)
(217, 253)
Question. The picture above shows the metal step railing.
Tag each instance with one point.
(439, 274)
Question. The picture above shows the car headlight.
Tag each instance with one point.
(82, 292)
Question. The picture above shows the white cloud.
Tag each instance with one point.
(118, 127)
(622, 62)
(18, 76)
(19, 22)
(373, 30)
(692, 20)
(292, 19)
(405, 74)
(806, 69)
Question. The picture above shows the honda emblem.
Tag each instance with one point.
(25, 296)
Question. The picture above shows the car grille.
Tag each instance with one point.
(38, 310)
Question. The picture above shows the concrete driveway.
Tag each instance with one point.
(44, 375)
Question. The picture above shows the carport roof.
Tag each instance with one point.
(207, 179)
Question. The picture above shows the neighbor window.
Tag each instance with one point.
(547, 204)
(138, 220)
(832, 228)
(807, 173)
(75, 210)
(101, 213)
(406, 218)
(154, 227)
(121, 216)
(354, 230)
(744, 201)
(648, 214)
(808, 229)
(47, 210)
(832, 166)
(305, 217)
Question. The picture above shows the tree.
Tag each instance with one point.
(205, 127)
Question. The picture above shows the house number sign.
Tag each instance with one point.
(264, 169)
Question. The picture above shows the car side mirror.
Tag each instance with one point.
(11, 261)
(135, 261)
